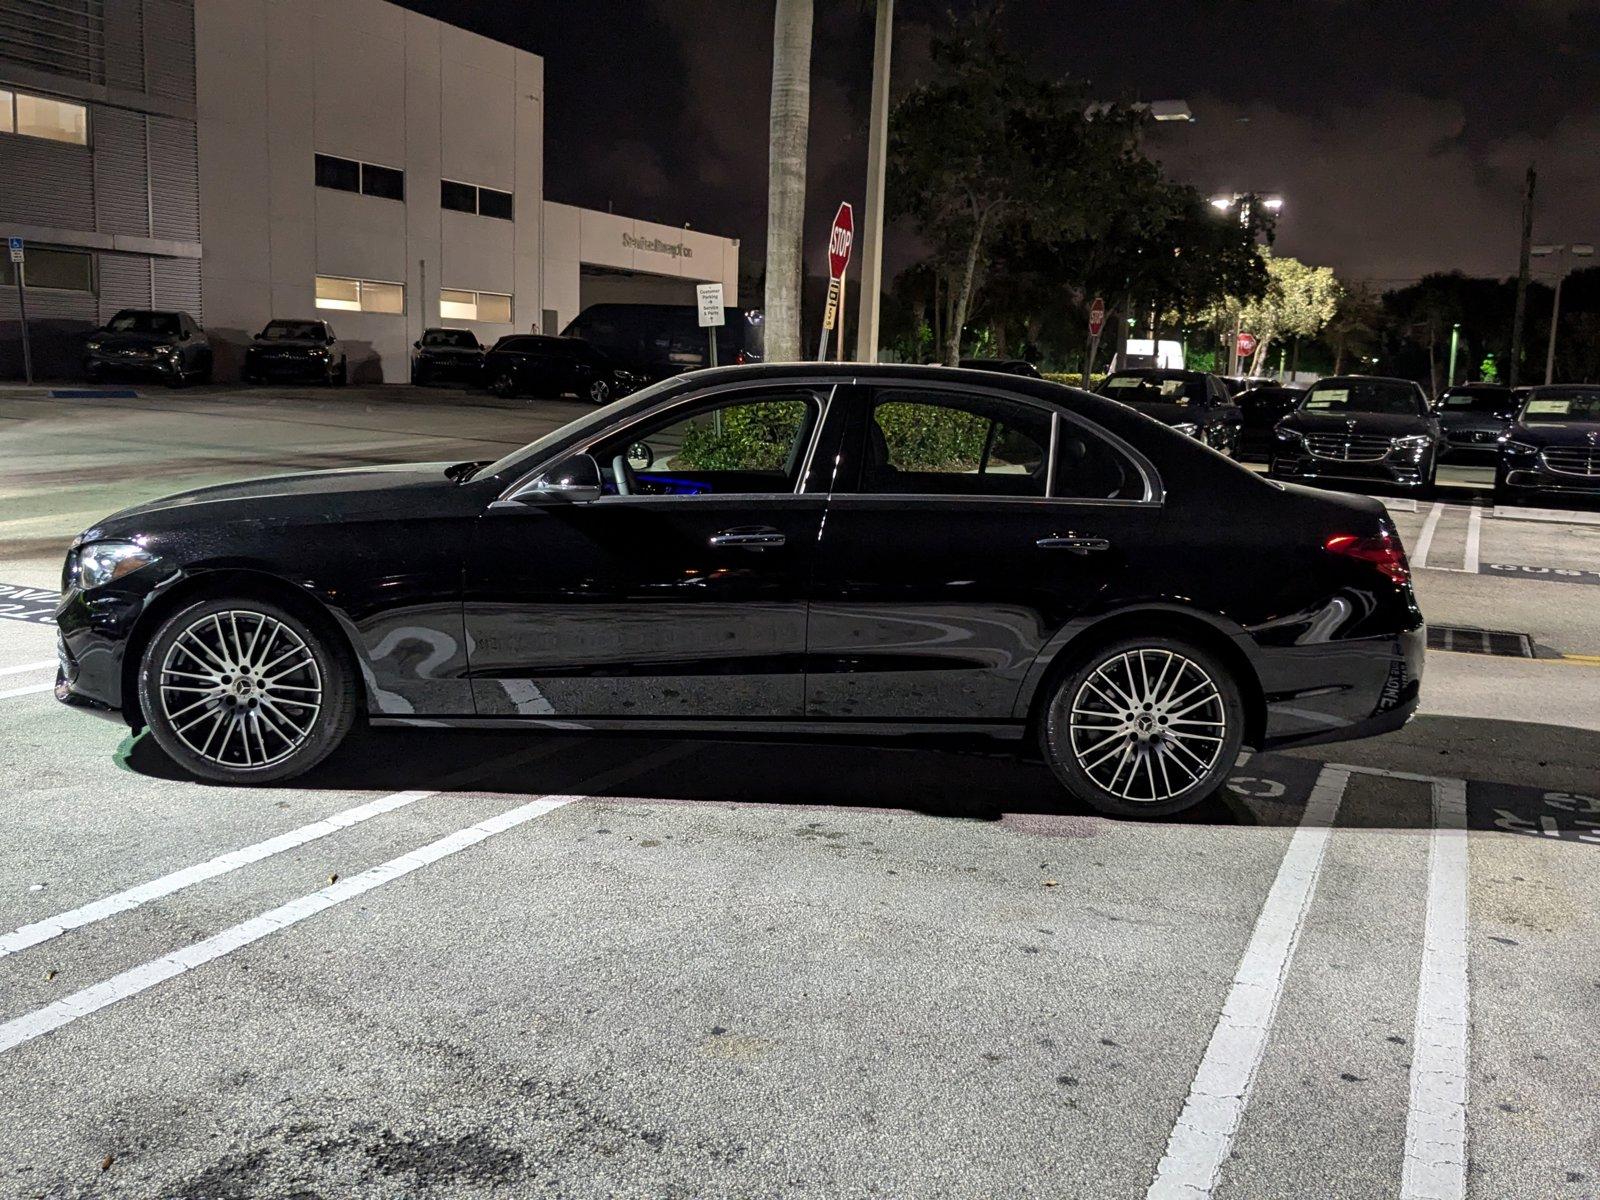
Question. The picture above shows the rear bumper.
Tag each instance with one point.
(1343, 690)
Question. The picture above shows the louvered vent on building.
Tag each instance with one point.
(62, 37)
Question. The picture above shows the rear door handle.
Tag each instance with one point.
(750, 537)
(1077, 545)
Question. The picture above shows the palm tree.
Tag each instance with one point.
(788, 128)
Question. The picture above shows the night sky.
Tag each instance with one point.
(1397, 132)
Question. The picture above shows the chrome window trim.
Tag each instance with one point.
(1155, 494)
(825, 387)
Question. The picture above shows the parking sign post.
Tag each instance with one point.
(708, 297)
(15, 246)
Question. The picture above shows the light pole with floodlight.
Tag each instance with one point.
(1566, 254)
(1245, 202)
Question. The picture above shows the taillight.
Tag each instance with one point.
(1382, 550)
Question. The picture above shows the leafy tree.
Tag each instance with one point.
(1298, 301)
(1354, 327)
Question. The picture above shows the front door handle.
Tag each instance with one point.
(1077, 545)
(749, 537)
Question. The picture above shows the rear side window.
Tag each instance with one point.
(943, 444)
(1089, 468)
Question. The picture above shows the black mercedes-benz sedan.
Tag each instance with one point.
(788, 548)
(1191, 402)
(1360, 428)
(556, 366)
(296, 349)
(453, 355)
(1554, 445)
(1473, 417)
(1261, 409)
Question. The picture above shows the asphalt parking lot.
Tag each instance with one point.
(464, 964)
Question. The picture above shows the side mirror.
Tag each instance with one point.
(576, 480)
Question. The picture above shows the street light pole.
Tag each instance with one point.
(1564, 255)
(872, 226)
(1455, 342)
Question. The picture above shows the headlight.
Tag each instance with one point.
(1187, 428)
(1287, 435)
(92, 347)
(101, 562)
(1416, 442)
(166, 351)
(1518, 449)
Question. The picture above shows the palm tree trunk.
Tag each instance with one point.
(963, 297)
(788, 128)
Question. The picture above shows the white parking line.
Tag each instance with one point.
(1203, 1136)
(62, 1012)
(33, 666)
(27, 691)
(154, 889)
(1474, 534)
(1419, 557)
(1435, 1166)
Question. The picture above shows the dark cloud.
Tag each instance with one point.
(1397, 131)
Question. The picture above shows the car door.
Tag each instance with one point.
(966, 528)
(680, 592)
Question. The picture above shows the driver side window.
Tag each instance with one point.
(750, 445)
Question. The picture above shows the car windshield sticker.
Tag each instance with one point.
(1542, 407)
(1124, 382)
(1327, 397)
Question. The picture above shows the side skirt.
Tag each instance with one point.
(1006, 730)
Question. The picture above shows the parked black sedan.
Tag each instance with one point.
(296, 350)
(1361, 428)
(794, 548)
(1262, 408)
(1473, 417)
(555, 366)
(1553, 446)
(169, 346)
(453, 355)
(1191, 402)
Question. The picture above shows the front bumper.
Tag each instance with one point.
(1470, 445)
(1398, 468)
(93, 633)
(1539, 477)
(266, 367)
(1342, 690)
(145, 365)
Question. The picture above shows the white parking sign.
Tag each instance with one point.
(16, 248)
(709, 296)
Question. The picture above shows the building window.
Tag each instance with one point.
(52, 270)
(360, 295)
(348, 175)
(474, 306)
(470, 198)
(42, 117)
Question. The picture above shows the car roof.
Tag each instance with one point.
(1562, 387)
(1366, 379)
(1478, 387)
(1160, 373)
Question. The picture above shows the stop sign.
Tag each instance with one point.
(1097, 316)
(1246, 343)
(840, 240)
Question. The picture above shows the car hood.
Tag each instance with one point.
(286, 344)
(1382, 424)
(309, 495)
(1558, 433)
(131, 341)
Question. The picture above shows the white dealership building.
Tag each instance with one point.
(347, 159)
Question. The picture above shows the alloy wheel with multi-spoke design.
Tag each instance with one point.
(1147, 725)
(240, 689)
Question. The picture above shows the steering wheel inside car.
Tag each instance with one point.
(622, 472)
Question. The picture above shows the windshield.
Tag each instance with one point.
(299, 331)
(1555, 407)
(1475, 402)
(458, 338)
(144, 322)
(1364, 396)
(574, 430)
(1144, 389)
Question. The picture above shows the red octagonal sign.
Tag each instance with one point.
(840, 240)
(1246, 343)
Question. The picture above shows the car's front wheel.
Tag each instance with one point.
(240, 690)
(600, 392)
(1144, 726)
(504, 385)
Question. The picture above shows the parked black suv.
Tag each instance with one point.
(555, 366)
(1363, 428)
(1473, 417)
(657, 341)
(169, 346)
(453, 354)
(296, 350)
(1191, 402)
(1553, 446)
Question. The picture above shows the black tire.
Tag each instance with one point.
(175, 378)
(1140, 736)
(267, 727)
(600, 392)
(342, 375)
(504, 385)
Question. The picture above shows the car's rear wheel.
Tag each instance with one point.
(240, 690)
(1146, 726)
(600, 392)
(504, 385)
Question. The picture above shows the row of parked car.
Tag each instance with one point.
(1371, 429)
